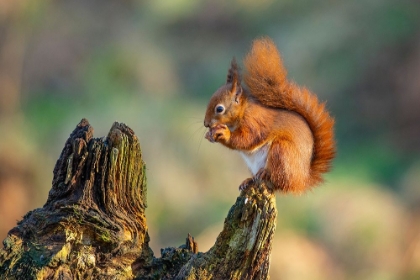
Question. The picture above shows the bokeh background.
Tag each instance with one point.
(154, 65)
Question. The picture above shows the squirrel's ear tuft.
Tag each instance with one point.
(233, 76)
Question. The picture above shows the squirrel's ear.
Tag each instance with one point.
(238, 93)
(233, 76)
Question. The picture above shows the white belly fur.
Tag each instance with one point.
(256, 159)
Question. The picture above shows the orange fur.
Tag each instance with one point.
(278, 127)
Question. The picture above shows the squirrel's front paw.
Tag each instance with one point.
(218, 133)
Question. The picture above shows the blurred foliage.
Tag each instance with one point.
(154, 65)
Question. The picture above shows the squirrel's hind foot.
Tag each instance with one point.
(245, 184)
(263, 175)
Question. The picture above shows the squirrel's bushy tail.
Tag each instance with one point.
(265, 77)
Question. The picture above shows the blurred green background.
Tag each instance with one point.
(154, 64)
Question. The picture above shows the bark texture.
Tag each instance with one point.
(93, 225)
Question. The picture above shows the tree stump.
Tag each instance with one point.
(93, 225)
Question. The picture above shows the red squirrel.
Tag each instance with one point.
(282, 131)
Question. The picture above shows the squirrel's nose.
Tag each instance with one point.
(206, 124)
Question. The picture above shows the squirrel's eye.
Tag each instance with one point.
(220, 109)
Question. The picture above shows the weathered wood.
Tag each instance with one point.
(242, 250)
(93, 225)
